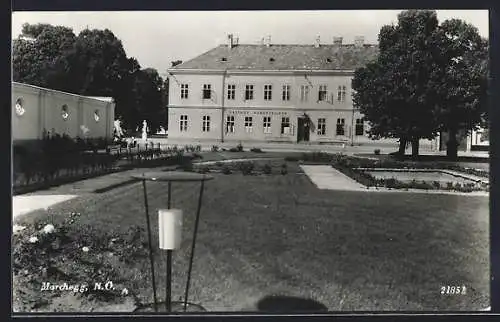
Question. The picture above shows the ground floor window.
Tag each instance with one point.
(183, 123)
(267, 124)
(321, 126)
(230, 124)
(340, 126)
(359, 127)
(248, 124)
(206, 123)
(285, 125)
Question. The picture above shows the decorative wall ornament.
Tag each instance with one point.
(64, 112)
(19, 107)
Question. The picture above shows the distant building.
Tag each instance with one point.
(37, 110)
(269, 92)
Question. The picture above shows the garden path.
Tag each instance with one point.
(326, 177)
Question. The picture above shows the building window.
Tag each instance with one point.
(206, 123)
(267, 124)
(321, 126)
(207, 91)
(268, 91)
(249, 92)
(19, 107)
(248, 124)
(230, 124)
(304, 93)
(340, 126)
(231, 91)
(184, 91)
(286, 93)
(322, 93)
(285, 125)
(360, 129)
(183, 123)
(96, 115)
(341, 94)
(64, 112)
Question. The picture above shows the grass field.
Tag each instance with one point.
(280, 235)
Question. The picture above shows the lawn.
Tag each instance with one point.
(280, 235)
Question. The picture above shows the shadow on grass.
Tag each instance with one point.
(288, 304)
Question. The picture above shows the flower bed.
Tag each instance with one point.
(50, 263)
(350, 166)
(261, 167)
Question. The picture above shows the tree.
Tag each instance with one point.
(464, 72)
(149, 88)
(40, 56)
(395, 92)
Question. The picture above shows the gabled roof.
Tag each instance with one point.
(283, 57)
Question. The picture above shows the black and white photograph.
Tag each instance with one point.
(250, 161)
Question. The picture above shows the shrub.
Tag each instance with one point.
(284, 169)
(219, 164)
(197, 148)
(291, 158)
(204, 169)
(233, 150)
(436, 184)
(247, 168)
(256, 150)
(449, 185)
(226, 169)
(239, 147)
(215, 148)
(267, 168)
(186, 164)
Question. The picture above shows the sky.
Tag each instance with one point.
(156, 38)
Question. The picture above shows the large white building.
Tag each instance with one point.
(269, 93)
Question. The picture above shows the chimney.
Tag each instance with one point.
(230, 43)
(337, 41)
(359, 41)
(268, 41)
(318, 41)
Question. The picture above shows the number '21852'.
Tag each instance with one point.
(453, 290)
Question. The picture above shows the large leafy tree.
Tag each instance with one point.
(464, 72)
(40, 56)
(396, 91)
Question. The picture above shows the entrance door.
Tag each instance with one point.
(302, 130)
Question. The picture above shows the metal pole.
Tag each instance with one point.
(168, 302)
(150, 245)
(193, 245)
(168, 296)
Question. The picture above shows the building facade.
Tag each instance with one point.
(37, 110)
(270, 93)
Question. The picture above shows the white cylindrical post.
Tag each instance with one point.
(170, 228)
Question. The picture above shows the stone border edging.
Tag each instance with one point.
(446, 171)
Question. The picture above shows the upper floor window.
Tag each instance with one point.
(286, 93)
(341, 93)
(267, 124)
(304, 93)
(248, 124)
(183, 123)
(321, 126)
(322, 93)
(231, 91)
(360, 128)
(268, 90)
(207, 91)
(206, 123)
(340, 126)
(248, 92)
(184, 91)
(230, 124)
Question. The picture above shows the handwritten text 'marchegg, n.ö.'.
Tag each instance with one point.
(81, 288)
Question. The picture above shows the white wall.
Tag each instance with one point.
(43, 111)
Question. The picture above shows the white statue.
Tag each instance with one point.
(144, 131)
(118, 128)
